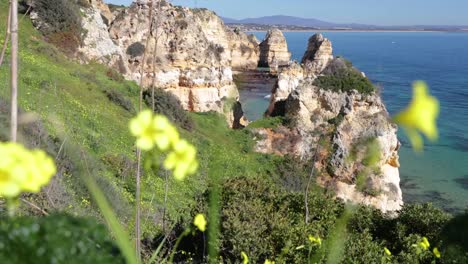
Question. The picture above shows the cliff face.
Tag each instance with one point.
(274, 50)
(189, 53)
(245, 51)
(347, 135)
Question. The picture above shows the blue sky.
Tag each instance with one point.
(377, 12)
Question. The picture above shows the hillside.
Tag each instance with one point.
(79, 113)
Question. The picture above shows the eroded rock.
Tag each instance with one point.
(274, 50)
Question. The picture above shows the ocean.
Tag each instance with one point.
(392, 61)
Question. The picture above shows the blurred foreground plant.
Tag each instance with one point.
(420, 116)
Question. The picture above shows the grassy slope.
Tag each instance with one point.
(70, 100)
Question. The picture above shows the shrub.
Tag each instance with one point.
(267, 222)
(114, 75)
(55, 239)
(361, 248)
(340, 76)
(61, 22)
(120, 100)
(167, 104)
(136, 49)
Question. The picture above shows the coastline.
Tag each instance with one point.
(364, 30)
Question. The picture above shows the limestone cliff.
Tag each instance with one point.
(189, 52)
(347, 134)
(274, 50)
(245, 51)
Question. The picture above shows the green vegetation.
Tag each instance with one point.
(268, 122)
(136, 49)
(261, 199)
(61, 22)
(340, 76)
(56, 239)
(167, 104)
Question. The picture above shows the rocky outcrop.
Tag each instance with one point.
(318, 54)
(104, 10)
(97, 45)
(288, 80)
(274, 50)
(245, 52)
(190, 53)
(347, 135)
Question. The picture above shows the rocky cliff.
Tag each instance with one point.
(347, 134)
(189, 52)
(245, 51)
(274, 50)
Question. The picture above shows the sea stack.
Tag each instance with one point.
(344, 131)
(318, 55)
(274, 50)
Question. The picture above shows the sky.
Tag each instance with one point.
(375, 12)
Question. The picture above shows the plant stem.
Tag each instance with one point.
(14, 70)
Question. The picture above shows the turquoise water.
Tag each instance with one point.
(393, 60)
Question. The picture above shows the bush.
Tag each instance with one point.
(167, 104)
(120, 100)
(61, 22)
(340, 76)
(136, 49)
(55, 239)
(267, 222)
(399, 234)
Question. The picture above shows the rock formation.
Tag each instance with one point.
(346, 134)
(274, 50)
(318, 54)
(189, 52)
(97, 45)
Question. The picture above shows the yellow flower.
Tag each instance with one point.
(436, 252)
(151, 131)
(245, 258)
(387, 251)
(200, 222)
(267, 261)
(315, 240)
(420, 116)
(182, 160)
(22, 170)
(424, 243)
(41, 173)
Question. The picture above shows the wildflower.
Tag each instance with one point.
(387, 251)
(200, 222)
(424, 243)
(22, 170)
(315, 240)
(156, 131)
(420, 116)
(152, 131)
(436, 252)
(182, 160)
(267, 261)
(245, 258)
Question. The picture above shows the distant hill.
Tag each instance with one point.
(291, 21)
(298, 22)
